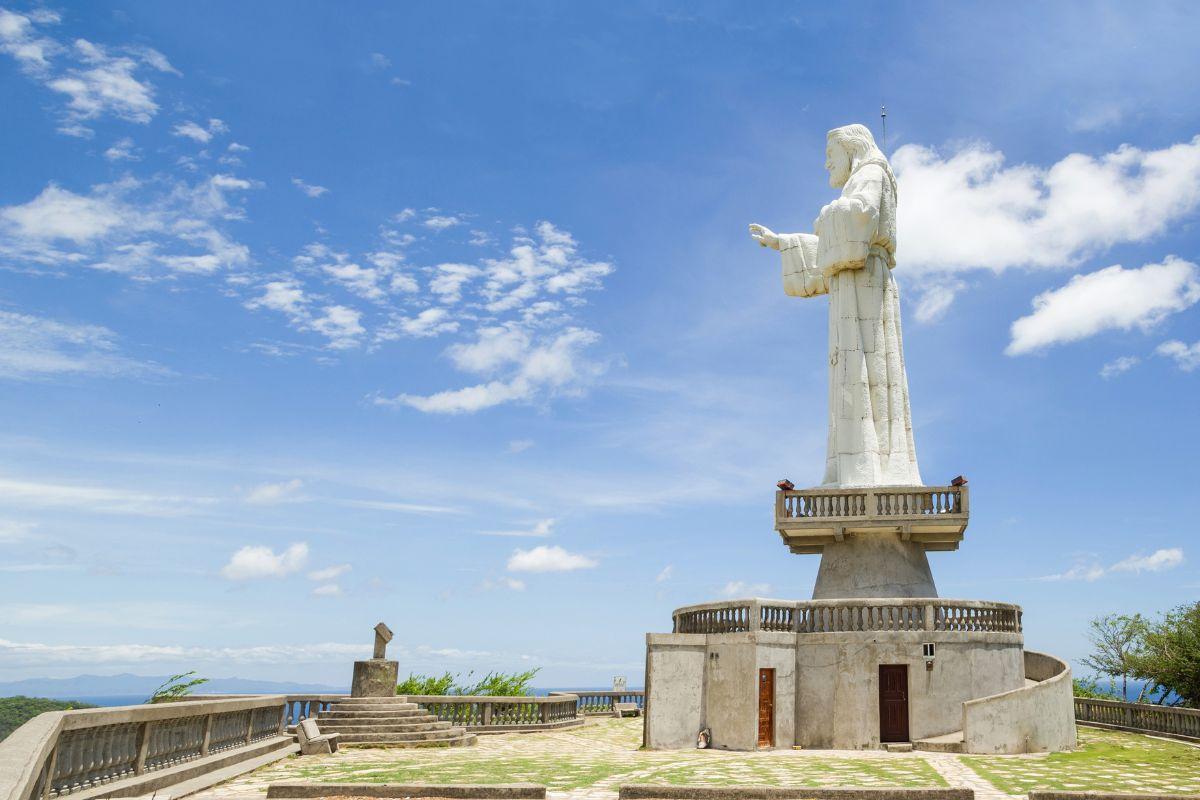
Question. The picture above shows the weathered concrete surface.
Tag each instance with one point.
(873, 565)
(1050, 794)
(1038, 718)
(375, 678)
(827, 684)
(675, 673)
(459, 791)
(648, 792)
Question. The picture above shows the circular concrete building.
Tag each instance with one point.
(875, 659)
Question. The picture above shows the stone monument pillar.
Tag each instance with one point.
(377, 676)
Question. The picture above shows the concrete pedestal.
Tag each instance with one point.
(374, 678)
(873, 565)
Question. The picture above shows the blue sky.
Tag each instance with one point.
(446, 315)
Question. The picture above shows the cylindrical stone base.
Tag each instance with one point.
(374, 678)
(873, 565)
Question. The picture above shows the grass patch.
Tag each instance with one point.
(554, 774)
(801, 771)
(1106, 760)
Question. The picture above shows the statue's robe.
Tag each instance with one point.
(851, 258)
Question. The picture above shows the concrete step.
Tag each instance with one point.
(395, 716)
(373, 711)
(898, 747)
(423, 727)
(454, 737)
(375, 701)
(947, 743)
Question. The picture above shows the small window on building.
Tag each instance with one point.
(927, 649)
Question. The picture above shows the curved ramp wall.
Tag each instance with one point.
(1033, 719)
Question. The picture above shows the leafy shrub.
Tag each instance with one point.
(176, 687)
(498, 684)
(1087, 687)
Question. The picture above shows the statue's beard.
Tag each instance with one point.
(838, 178)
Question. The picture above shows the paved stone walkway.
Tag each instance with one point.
(591, 762)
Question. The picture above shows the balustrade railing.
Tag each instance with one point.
(1183, 723)
(831, 616)
(871, 502)
(601, 702)
(70, 751)
(484, 713)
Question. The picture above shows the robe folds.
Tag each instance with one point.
(850, 258)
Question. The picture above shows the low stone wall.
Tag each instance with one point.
(646, 792)
(112, 752)
(503, 714)
(1177, 723)
(594, 703)
(1048, 794)
(1031, 719)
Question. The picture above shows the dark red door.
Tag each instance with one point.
(893, 702)
(766, 708)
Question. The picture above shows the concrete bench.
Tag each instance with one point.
(626, 709)
(312, 741)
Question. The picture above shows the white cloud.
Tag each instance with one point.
(341, 325)
(19, 39)
(35, 347)
(449, 279)
(329, 573)
(128, 227)
(12, 530)
(285, 296)
(327, 590)
(97, 499)
(257, 561)
(430, 322)
(1118, 366)
(36, 653)
(234, 147)
(540, 529)
(555, 367)
(969, 211)
(440, 223)
(380, 61)
(1110, 298)
(200, 134)
(505, 582)
(1187, 356)
(122, 150)
(271, 493)
(665, 575)
(934, 298)
(520, 445)
(548, 558)
(1158, 561)
(742, 589)
(309, 189)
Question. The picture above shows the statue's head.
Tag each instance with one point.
(845, 148)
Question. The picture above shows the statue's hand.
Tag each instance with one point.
(764, 236)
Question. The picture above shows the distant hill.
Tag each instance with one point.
(82, 686)
(16, 711)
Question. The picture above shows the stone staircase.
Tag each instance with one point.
(947, 743)
(389, 722)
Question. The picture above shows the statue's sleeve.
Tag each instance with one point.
(801, 278)
(847, 226)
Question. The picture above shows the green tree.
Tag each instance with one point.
(16, 711)
(1087, 687)
(1169, 656)
(426, 684)
(176, 687)
(493, 684)
(1115, 640)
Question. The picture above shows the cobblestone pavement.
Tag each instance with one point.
(589, 763)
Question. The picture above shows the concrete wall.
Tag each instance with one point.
(838, 681)
(675, 672)
(1033, 719)
(827, 684)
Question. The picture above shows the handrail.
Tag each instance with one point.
(61, 752)
(848, 615)
(479, 713)
(877, 501)
(1178, 723)
(601, 701)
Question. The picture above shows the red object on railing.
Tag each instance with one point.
(786, 485)
(959, 481)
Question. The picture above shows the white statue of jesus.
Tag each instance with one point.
(850, 258)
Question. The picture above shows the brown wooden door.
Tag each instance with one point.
(893, 702)
(766, 708)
